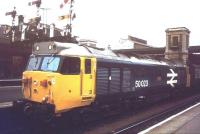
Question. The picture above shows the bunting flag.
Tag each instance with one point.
(37, 2)
(64, 17)
(64, 2)
(73, 16)
(61, 5)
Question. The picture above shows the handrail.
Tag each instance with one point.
(10, 82)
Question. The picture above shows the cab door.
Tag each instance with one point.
(88, 73)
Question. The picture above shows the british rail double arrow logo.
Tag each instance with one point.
(172, 75)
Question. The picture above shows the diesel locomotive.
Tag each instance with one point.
(61, 77)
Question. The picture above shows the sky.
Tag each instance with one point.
(108, 21)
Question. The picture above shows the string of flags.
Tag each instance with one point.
(37, 3)
(63, 17)
(36, 20)
(71, 15)
(64, 2)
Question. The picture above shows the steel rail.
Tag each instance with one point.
(139, 126)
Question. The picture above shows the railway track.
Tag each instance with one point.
(141, 119)
(136, 127)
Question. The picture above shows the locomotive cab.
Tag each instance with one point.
(62, 81)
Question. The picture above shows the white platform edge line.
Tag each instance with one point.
(6, 104)
(168, 119)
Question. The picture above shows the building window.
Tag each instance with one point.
(169, 40)
(175, 41)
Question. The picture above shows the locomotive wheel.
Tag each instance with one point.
(47, 118)
(28, 111)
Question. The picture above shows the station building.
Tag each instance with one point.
(14, 56)
(177, 48)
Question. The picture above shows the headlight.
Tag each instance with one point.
(45, 99)
(52, 82)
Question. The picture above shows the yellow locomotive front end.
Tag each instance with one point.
(56, 83)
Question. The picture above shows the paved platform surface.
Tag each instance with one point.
(185, 122)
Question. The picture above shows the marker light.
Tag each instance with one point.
(43, 83)
(52, 81)
(45, 99)
(50, 47)
(37, 48)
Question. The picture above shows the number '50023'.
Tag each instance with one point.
(141, 83)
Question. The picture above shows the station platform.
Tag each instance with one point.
(185, 122)
(5, 105)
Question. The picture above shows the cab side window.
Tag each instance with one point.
(71, 65)
(87, 66)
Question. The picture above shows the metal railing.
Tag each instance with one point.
(10, 82)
